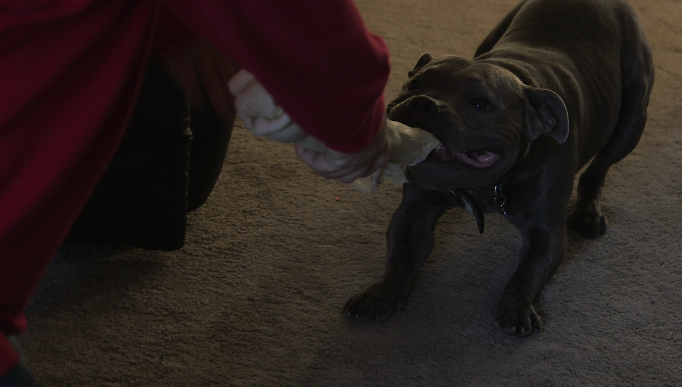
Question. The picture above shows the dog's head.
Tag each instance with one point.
(484, 115)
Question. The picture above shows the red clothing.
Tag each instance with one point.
(69, 73)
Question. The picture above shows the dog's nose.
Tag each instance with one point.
(428, 104)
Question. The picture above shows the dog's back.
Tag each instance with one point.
(591, 52)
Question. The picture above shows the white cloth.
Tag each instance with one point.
(263, 117)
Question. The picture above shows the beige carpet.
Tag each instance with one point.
(254, 299)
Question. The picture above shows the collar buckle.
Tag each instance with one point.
(499, 199)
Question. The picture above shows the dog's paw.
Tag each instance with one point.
(517, 318)
(377, 302)
(588, 221)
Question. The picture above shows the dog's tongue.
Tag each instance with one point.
(482, 156)
(477, 158)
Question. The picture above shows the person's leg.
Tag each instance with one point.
(141, 200)
(159, 173)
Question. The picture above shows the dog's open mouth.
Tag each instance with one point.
(478, 158)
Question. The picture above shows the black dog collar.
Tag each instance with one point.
(499, 200)
(474, 207)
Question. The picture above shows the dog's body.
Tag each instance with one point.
(554, 85)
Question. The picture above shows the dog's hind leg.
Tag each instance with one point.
(586, 218)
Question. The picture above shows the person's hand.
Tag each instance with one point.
(348, 167)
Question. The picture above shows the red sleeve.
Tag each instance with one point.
(69, 72)
(316, 58)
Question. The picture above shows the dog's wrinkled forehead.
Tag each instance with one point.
(460, 72)
(492, 77)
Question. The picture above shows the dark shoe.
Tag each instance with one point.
(19, 376)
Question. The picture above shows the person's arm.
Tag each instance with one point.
(262, 116)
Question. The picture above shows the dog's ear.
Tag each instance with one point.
(546, 114)
(423, 60)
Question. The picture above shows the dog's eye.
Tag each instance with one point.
(413, 85)
(480, 104)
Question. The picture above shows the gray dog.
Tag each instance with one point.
(556, 84)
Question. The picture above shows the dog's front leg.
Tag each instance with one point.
(543, 251)
(410, 239)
